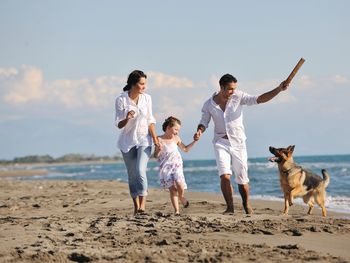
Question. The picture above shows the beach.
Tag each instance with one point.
(93, 221)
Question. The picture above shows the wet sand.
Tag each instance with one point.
(92, 221)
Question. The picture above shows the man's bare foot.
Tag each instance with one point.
(229, 211)
(141, 212)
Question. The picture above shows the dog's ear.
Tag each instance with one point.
(291, 148)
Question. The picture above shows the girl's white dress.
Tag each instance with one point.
(170, 166)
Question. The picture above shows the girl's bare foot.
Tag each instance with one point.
(185, 202)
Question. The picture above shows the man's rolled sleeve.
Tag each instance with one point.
(205, 116)
(248, 99)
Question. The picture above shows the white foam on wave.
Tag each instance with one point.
(61, 175)
(267, 165)
(338, 203)
(200, 169)
(189, 169)
(333, 203)
(95, 166)
(267, 197)
(325, 165)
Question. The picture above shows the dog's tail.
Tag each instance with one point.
(326, 178)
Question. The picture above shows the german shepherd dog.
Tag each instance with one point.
(298, 182)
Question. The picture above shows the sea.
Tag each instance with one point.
(201, 176)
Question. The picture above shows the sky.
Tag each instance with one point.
(63, 63)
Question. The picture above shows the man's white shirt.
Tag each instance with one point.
(230, 121)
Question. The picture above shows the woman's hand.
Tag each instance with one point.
(130, 115)
(158, 149)
(158, 145)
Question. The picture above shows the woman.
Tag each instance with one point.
(134, 116)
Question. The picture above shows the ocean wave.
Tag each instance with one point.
(61, 175)
(333, 203)
(325, 165)
(267, 197)
(268, 165)
(200, 169)
(95, 166)
(189, 169)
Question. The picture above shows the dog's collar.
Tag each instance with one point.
(289, 171)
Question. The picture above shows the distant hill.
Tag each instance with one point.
(67, 158)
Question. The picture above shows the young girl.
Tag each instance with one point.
(171, 174)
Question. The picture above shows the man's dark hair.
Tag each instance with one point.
(226, 79)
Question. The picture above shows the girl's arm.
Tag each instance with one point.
(184, 147)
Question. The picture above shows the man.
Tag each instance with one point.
(225, 108)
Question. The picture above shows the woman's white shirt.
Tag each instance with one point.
(135, 132)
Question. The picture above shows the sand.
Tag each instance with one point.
(92, 221)
(16, 173)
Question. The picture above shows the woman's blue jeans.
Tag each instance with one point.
(136, 164)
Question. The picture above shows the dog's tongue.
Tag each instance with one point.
(273, 159)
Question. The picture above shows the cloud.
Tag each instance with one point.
(304, 81)
(260, 87)
(160, 80)
(84, 92)
(307, 82)
(27, 92)
(4, 117)
(338, 79)
(8, 72)
(26, 86)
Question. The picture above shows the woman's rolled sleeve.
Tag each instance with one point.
(150, 117)
(120, 112)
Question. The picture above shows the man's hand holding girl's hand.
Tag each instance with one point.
(197, 135)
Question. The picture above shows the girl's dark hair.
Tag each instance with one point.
(134, 78)
(170, 121)
(226, 79)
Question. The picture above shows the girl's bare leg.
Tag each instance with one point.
(181, 191)
(174, 199)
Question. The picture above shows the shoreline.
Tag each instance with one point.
(15, 165)
(18, 173)
(61, 220)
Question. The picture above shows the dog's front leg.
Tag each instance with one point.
(291, 196)
(286, 204)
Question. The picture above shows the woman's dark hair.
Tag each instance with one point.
(226, 79)
(134, 78)
(170, 121)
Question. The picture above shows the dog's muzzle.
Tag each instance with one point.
(275, 159)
